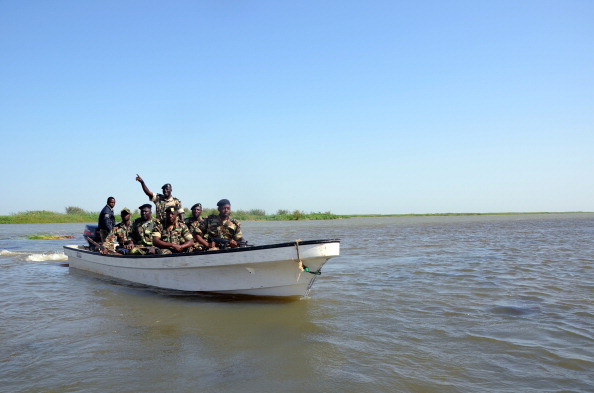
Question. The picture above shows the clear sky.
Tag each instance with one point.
(327, 105)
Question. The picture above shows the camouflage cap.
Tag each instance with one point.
(125, 211)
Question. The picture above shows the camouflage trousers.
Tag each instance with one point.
(145, 250)
(187, 250)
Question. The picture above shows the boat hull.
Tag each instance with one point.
(271, 270)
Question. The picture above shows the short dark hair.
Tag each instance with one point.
(110, 198)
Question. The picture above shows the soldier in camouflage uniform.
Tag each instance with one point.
(120, 234)
(173, 236)
(122, 230)
(195, 224)
(222, 226)
(142, 230)
(162, 201)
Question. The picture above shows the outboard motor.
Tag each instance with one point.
(92, 232)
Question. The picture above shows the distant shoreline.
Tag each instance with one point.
(464, 214)
(48, 217)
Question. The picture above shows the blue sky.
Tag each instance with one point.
(342, 106)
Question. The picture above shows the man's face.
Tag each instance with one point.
(145, 213)
(196, 211)
(171, 216)
(126, 217)
(167, 191)
(225, 211)
(111, 202)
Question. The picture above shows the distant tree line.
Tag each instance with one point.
(77, 214)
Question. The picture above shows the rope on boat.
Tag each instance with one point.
(302, 267)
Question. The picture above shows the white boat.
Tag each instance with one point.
(285, 269)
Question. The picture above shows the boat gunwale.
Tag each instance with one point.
(197, 253)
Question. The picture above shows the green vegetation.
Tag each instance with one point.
(48, 236)
(44, 216)
(75, 214)
(73, 210)
(281, 215)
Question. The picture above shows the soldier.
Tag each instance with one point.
(162, 200)
(173, 235)
(222, 226)
(195, 224)
(142, 230)
(123, 229)
(121, 234)
(106, 220)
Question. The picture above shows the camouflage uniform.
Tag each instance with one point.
(122, 232)
(196, 226)
(142, 234)
(161, 203)
(214, 227)
(177, 234)
(119, 232)
(110, 242)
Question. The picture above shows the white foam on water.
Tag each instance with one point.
(47, 257)
(6, 253)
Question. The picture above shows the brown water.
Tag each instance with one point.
(420, 304)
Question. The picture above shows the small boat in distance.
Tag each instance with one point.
(284, 269)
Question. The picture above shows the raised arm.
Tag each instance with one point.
(144, 187)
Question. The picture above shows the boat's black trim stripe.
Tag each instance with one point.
(240, 249)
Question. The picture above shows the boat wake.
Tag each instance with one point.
(58, 256)
(34, 257)
(6, 253)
